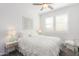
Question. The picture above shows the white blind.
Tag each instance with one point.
(49, 23)
(62, 22)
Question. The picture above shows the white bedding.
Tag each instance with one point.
(39, 45)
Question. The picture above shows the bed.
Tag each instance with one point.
(32, 44)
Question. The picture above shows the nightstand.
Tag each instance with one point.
(11, 46)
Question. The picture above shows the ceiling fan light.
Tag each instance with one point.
(45, 5)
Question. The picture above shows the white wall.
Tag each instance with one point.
(11, 15)
(73, 22)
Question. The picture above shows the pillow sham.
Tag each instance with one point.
(29, 33)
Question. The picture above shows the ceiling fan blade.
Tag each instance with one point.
(41, 9)
(37, 3)
(50, 7)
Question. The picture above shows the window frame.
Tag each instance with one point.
(54, 23)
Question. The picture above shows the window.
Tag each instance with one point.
(57, 23)
(61, 22)
(49, 23)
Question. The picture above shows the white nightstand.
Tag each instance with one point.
(10, 46)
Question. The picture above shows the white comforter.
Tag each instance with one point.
(39, 45)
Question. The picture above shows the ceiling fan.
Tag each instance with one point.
(44, 5)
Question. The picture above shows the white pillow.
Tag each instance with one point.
(29, 33)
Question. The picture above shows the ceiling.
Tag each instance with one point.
(30, 7)
(54, 5)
